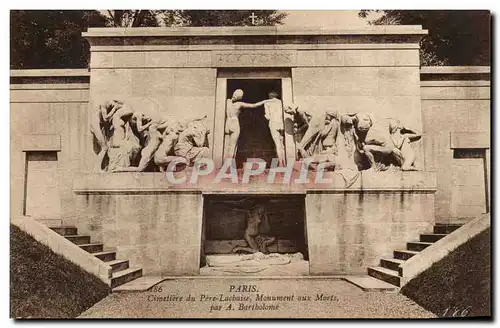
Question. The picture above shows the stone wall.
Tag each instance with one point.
(48, 113)
(154, 224)
(350, 230)
(456, 111)
(157, 231)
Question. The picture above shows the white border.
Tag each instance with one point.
(188, 4)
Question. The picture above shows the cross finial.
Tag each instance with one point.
(253, 17)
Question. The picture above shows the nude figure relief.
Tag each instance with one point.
(274, 114)
(384, 144)
(130, 140)
(352, 141)
(232, 128)
(257, 232)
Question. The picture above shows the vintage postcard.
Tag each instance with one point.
(250, 164)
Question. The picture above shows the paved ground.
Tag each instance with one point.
(252, 298)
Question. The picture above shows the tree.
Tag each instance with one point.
(456, 37)
(223, 17)
(52, 38)
(133, 18)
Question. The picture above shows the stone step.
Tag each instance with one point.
(392, 264)
(65, 230)
(403, 254)
(92, 248)
(105, 256)
(118, 265)
(142, 284)
(78, 239)
(417, 245)
(384, 274)
(446, 228)
(124, 276)
(431, 237)
(369, 284)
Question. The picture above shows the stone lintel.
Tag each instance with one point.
(470, 139)
(251, 30)
(455, 70)
(259, 58)
(198, 47)
(455, 73)
(48, 72)
(51, 86)
(455, 83)
(152, 183)
(41, 142)
(212, 36)
(49, 76)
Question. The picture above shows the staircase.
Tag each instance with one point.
(121, 272)
(388, 270)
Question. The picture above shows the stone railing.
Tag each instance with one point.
(62, 246)
(440, 249)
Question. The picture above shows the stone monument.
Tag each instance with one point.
(158, 95)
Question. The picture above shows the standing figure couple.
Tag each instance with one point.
(273, 113)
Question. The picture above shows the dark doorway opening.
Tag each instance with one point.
(225, 219)
(255, 138)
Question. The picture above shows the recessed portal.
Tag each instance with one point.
(262, 235)
(255, 139)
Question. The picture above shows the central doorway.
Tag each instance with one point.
(255, 138)
(225, 249)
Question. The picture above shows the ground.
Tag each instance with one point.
(45, 285)
(458, 285)
(329, 299)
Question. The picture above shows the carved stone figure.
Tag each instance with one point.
(232, 128)
(140, 124)
(100, 126)
(402, 137)
(257, 232)
(123, 145)
(274, 114)
(383, 142)
(192, 143)
(324, 148)
(134, 140)
(315, 130)
(155, 137)
(301, 120)
(165, 153)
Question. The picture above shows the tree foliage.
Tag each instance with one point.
(222, 17)
(52, 38)
(132, 18)
(456, 37)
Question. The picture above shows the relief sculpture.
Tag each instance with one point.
(353, 141)
(129, 140)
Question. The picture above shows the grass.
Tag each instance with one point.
(46, 285)
(458, 285)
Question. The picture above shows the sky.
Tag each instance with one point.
(347, 19)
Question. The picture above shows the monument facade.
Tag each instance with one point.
(354, 104)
